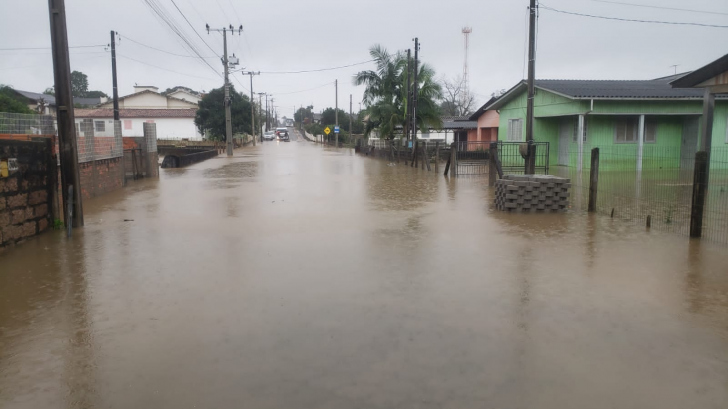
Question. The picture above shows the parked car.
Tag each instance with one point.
(282, 134)
(269, 136)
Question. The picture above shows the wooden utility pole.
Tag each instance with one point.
(351, 117)
(700, 187)
(531, 157)
(65, 116)
(415, 91)
(593, 181)
(336, 112)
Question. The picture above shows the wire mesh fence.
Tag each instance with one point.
(96, 139)
(659, 187)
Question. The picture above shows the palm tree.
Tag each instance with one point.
(385, 96)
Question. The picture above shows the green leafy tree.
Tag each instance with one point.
(210, 117)
(96, 94)
(79, 84)
(385, 96)
(50, 91)
(304, 115)
(12, 102)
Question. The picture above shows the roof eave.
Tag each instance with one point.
(702, 74)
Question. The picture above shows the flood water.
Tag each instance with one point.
(297, 276)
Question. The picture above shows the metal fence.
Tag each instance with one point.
(659, 187)
(512, 157)
(27, 124)
(472, 158)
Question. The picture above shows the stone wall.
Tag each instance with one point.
(25, 195)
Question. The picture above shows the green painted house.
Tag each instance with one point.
(636, 124)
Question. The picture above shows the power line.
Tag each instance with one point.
(303, 90)
(162, 68)
(316, 70)
(48, 48)
(192, 27)
(159, 49)
(631, 20)
(659, 7)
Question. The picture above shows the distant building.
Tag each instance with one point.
(148, 97)
(46, 104)
(171, 123)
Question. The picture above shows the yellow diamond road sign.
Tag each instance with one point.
(327, 130)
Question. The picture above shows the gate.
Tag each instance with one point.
(472, 157)
(512, 157)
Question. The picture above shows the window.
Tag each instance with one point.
(650, 131)
(576, 130)
(625, 130)
(515, 130)
(100, 126)
(127, 124)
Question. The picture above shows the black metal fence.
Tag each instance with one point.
(512, 157)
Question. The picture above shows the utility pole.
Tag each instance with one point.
(408, 102)
(351, 120)
(336, 111)
(252, 111)
(267, 115)
(260, 111)
(65, 117)
(414, 94)
(226, 62)
(531, 158)
(273, 109)
(113, 75)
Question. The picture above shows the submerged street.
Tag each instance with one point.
(296, 275)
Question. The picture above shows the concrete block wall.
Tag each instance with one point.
(532, 193)
(101, 176)
(25, 195)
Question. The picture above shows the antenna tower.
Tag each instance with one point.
(466, 33)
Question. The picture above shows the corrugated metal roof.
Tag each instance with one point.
(649, 89)
(135, 113)
(49, 99)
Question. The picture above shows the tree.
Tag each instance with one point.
(11, 102)
(50, 91)
(179, 87)
(457, 101)
(210, 117)
(302, 114)
(79, 84)
(385, 96)
(96, 94)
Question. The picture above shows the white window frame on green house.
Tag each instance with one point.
(650, 131)
(576, 130)
(634, 122)
(511, 137)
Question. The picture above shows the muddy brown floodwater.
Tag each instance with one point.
(296, 276)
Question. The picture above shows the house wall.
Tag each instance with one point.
(167, 128)
(173, 103)
(551, 109)
(146, 100)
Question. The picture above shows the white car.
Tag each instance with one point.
(269, 136)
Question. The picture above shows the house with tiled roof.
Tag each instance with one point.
(148, 97)
(632, 119)
(171, 123)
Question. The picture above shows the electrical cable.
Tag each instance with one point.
(48, 48)
(316, 70)
(192, 27)
(162, 68)
(632, 20)
(160, 50)
(659, 7)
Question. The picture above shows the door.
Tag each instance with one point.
(689, 144)
(566, 129)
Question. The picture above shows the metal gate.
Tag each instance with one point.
(472, 157)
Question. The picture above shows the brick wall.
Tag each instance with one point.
(101, 176)
(25, 199)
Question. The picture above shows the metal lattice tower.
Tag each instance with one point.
(466, 33)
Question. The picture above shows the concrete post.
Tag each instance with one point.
(149, 150)
(119, 149)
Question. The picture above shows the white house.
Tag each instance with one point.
(148, 97)
(171, 123)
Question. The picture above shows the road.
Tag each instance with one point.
(299, 276)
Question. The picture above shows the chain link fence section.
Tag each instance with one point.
(27, 124)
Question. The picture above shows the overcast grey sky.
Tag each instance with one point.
(290, 35)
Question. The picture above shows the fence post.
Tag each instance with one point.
(593, 180)
(437, 156)
(700, 178)
(492, 169)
